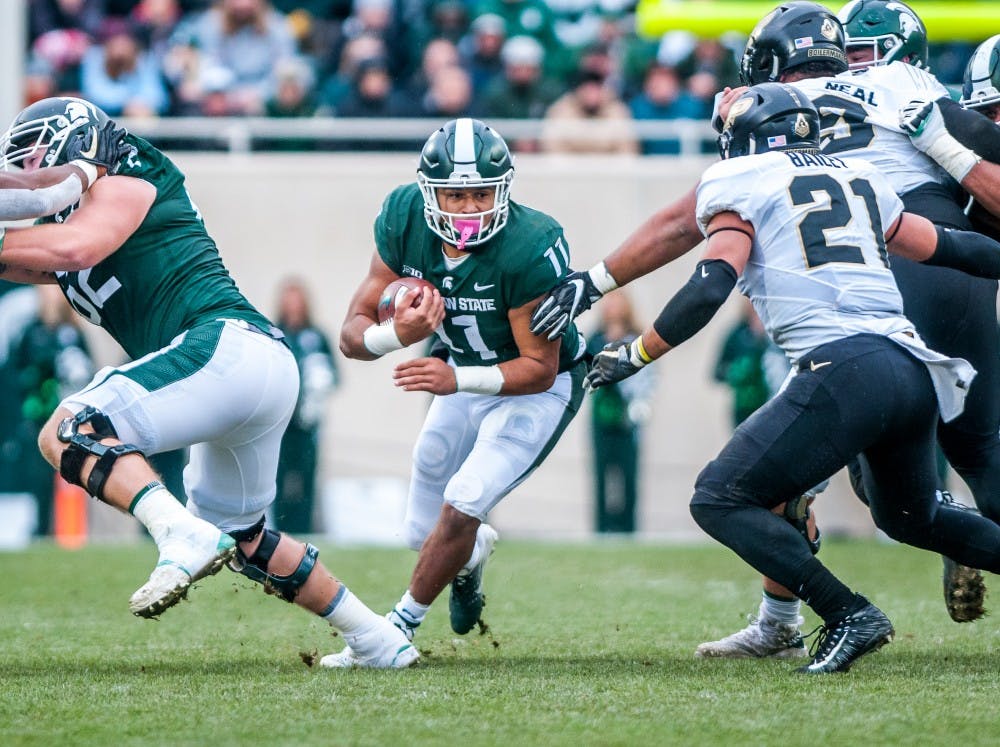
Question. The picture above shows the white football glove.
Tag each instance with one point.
(922, 120)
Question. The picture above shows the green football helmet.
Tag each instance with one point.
(981, 84)
(889, 27)
(47, 125)
(465, 154)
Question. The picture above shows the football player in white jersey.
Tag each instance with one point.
(886, 49)
(802, 42)
(805, 237)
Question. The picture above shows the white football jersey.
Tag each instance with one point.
(818, 269)
(859, 116)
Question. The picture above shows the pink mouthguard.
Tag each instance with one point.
(468, 228)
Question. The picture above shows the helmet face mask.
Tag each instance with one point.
(792, 34)
(770, 117)
(465, 154)
(891, 29)
(38, 135)
(981, 83)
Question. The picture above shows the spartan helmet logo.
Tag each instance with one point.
(828, 30)
(801, 128)
(75, 111)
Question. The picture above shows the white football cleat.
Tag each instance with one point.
(186, 555)
(760, 639)
(383, 647)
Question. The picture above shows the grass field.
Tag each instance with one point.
(588, 644)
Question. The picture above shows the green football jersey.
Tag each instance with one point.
(167, 277)
(526, 259)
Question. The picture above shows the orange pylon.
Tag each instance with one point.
(69, 508)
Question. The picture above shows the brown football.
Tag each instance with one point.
(395, 291)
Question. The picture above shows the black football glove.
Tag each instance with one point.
(617, 361)
(574, 295)
(102, 147)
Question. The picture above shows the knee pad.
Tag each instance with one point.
(796, 513)
(255, 567)
(415, 534)
(82, 445)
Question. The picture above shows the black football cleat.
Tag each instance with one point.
(964, 591)
(465, 605)
(842, 643)
(964, 588)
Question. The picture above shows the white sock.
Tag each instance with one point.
(477, 551)
(780, 611)
(350, 615)
(157, 509)
(408, 611)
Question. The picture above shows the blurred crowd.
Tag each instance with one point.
(559, 60)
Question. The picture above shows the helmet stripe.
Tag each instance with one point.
(980, 64)
(465, 147)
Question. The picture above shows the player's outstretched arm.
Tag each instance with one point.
(971, 128)
(916, 238)
(39, 193)
(47, 191)
(115, 208)
(663, 237)
(924, 122)
(729, 242)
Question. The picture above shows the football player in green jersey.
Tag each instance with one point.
(504, 396)
(208, 371)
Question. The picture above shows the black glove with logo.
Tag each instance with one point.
(102, 147)
(574, 295)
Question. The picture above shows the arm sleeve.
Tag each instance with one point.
(695, 303)
(971, 129)
(19, 204)
(967, 251)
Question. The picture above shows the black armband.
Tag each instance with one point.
(967, 251)
(695, 304)
(973, 130)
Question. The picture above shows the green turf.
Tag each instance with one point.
(588, 644)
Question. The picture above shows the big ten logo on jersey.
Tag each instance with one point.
(87, 301)
(413, 271)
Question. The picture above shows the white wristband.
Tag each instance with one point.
(87, 168)
(637, 354)
(601, 278)
(954, 157)
(380, 339)
(478, 379)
